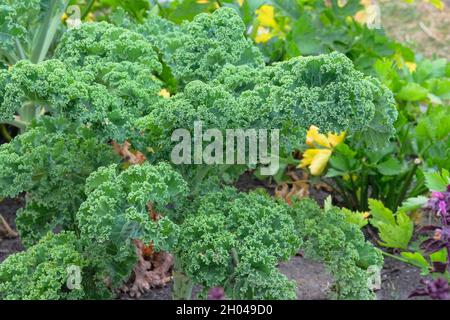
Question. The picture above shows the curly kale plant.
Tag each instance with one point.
(50, 162)
(117, 211)
(28, 28)
(290, 96)
(198, 50)
(101, 244)
(101, 75)
(235, 240)
(101, 88)
(340, 245)
(325, 90)
(40, 273)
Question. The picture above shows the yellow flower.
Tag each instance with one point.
(317, 157)
(263, 35)
(439, 4)
(90, 17)
(164, 93)
(202, 1)
(266, 16)
(241, 2)
(64, 17)
(330, 141)
(313, 136)
(411, 66)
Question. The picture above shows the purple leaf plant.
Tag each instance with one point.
(438, 204)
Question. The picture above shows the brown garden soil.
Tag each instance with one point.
(313, 282)
(419, 25)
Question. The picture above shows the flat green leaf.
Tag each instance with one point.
(390, 167)
(380, 214)
(416, 259)
(412, 92)
(436, 181)
(394, 231)
(331, 173)
(439, 256)
(355, 217)
(412, 204)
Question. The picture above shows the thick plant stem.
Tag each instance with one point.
(348, 199)
(28, 112)
(5, 133)
(354, 192)
(406, 184)
(182, 284)
(364, 190)
(47, 30)
(87, 9)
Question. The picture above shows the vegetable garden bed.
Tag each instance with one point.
(187, 149)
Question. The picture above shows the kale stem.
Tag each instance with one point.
(5, 133)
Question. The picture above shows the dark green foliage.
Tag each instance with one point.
(102, 76)
(198, 50)
(340, 245)
(41, 272)
(116, 213)
(50, 162)
(101, 85)
(235, 240)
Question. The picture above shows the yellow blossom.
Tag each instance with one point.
(313, 136)
(241, 2)
(411, 66)
(336, 139)
(366, 214)
(202, 1)
(90, 17)
(439, 4)
(266, 16)
(317, 157)
(64, 17)
(263, 35)
(164, 93)
(332, 140)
